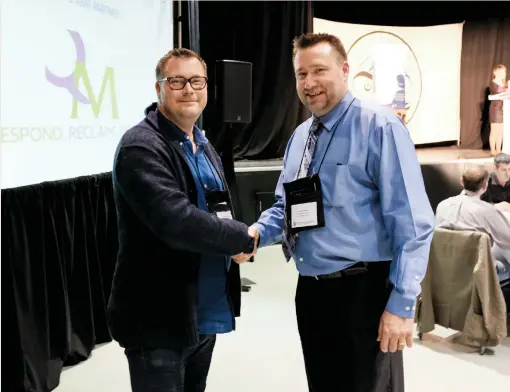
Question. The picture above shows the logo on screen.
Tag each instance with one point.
(384, 68)
(79, 77)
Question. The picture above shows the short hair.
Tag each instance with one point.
(182, 53)
(501, 159)
(311, 39)
(474, 178)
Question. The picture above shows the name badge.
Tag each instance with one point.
(304, 208)
(304, 214)
(217, 203)
(224, 214)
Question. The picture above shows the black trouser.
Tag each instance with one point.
(338, 321)
(506, 295)
(171, 370)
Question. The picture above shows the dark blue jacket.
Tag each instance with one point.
(162, 234)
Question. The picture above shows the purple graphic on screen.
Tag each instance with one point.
(68, 82)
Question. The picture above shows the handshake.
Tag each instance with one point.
(244, 257)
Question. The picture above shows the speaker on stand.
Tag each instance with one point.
(233, 91)
(233, 99)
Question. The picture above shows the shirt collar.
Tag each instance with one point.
(470, 194)
(180, 135)
(199, 136)
(330, 118)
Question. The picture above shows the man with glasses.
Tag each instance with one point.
(174, 286)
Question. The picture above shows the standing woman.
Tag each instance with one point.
(498, 85)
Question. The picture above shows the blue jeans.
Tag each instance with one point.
(171, 370)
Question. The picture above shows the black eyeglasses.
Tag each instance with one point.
(178, 82)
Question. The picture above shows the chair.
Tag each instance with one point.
(461, 290)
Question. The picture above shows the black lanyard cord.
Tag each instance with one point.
(333, 135)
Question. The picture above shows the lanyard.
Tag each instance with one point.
(335, 127)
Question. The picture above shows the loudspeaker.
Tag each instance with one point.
(233, 91)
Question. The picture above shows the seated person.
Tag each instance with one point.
(468, 212)
(498, 190)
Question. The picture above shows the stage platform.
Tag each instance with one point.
(427, 156)
(441, 167)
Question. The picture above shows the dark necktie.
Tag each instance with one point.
(289, 241)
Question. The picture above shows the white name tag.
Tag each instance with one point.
(224, 214)
(304, 214)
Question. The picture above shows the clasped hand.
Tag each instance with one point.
(244, 257)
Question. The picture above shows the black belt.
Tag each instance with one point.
(355, 269)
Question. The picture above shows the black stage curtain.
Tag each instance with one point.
(193, 25)
(260, 33)
(417, 13)
(59, 247)
(190, 31)
(484, 45)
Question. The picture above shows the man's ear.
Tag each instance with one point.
(462, 181)
(158, 90)
(345, 70)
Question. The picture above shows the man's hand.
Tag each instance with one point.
(244, 257)
(395, 332)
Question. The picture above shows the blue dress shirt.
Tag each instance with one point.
(375, 204)
(214, 310)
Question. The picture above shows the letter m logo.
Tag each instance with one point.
(81, 74)
(72, 82)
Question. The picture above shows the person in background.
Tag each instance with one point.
(498, 189)
(353, 213)
(498, 85)
(468, 212)
(173, 289)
